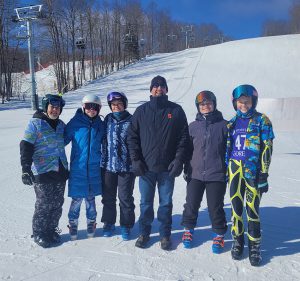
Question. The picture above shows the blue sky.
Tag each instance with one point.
(237, 18)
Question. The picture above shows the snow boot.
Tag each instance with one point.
(91, 228)
(42, 241)
(108, 229)
(187, 238)
(73, 229)
(237, 248)
(218, 243)
(54, 236)
(142, 241)
(125, 232)
(166, 243)
(254, 253)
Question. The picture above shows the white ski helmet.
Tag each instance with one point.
(91, 98)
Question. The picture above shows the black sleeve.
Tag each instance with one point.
(26, 153)
(183, 145)
(133, 138)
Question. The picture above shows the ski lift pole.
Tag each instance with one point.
(34, 98)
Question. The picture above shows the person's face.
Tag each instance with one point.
(244, 104)
(91, 109)
(206, 107)
(158, 90)
(117, 106)
(53, 112)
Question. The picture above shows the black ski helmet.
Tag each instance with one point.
(52, 99)
(204, 96)
(117, 96)
(245, 90)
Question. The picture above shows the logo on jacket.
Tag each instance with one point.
(169, 115)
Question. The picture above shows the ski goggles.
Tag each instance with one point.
(205, 97)
(244, 90)
(114, 96)
(56, 102)
(93, 106)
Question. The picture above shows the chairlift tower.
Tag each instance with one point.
(28, 14)
(187, 30)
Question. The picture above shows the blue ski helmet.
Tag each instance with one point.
(117, 96)
(55, 100)
(245, 90)
(204, 96)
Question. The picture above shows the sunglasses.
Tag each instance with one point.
(156, 85)
(93, 106)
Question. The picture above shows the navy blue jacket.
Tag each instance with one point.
(115, 151)
(158, 134)
(85, 172)
(208, 147)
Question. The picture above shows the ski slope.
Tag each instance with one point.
(272, 66)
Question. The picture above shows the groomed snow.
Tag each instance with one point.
(272, 66)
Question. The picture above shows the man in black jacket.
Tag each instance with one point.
(158, 141)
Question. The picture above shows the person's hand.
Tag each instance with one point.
(263, 185)
(27, 176)
(139, 168)
(175, 168)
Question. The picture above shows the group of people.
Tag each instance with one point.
(155, 144)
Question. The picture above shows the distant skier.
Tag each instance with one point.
(158, 141)
(118, 176)
(206, 170)
(44, 165)
(249, 150)
(85, 130)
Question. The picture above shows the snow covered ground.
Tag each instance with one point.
(272, 65)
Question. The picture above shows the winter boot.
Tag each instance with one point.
(91, 228)
(54, 236)
(187, 238)
(73, 229)
(166, 243)
(237, 247)
(42, 241)
(254, 253)
(218, 243)
(142, 241)
(108, 229)
(125, 232)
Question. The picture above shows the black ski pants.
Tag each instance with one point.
(48, 207)
(123, 184)
(215, 192)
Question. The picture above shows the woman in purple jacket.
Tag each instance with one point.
(206, 170)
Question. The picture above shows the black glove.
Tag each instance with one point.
(187, 171)
(27, 176)
(263, 185)
(139, 168)
(175, 168)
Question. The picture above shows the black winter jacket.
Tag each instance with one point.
(158, 134)
(208, 137)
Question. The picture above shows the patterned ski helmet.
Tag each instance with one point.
(204, 96)
(117, 96)
(245, 90)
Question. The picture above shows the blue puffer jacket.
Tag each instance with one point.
(85, 173)
(116, 156)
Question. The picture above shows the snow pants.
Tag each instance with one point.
(241, 188)
(123, 184)
(90, 206)
(215, 192)
(48, 207)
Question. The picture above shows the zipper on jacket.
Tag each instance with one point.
(88, 156)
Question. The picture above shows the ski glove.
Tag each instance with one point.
(139, 168)
(27, 176)
(175, 168)
(263, 185)
(187, 170)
